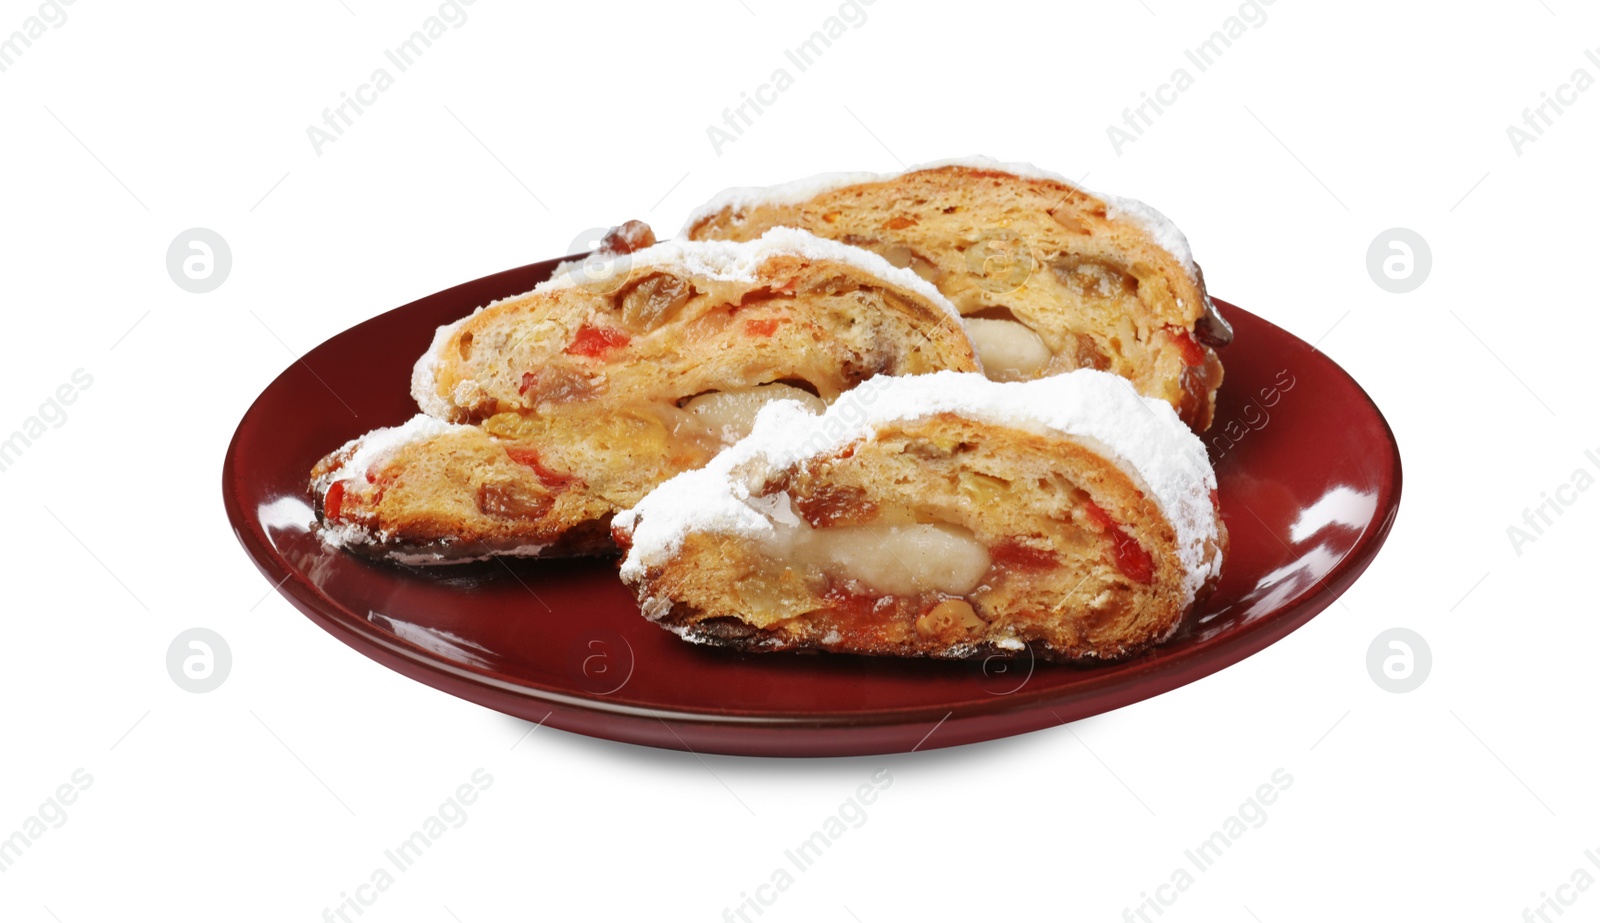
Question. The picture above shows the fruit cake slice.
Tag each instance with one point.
(1050, 277)
(942, 516)
(589, 391)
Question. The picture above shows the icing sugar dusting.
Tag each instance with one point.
(1157, 225)
(1098, 409)
(425, 374)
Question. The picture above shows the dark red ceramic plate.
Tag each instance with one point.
(1310, 482)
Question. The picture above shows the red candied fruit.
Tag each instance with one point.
(856, 616)
(333, 502)
(592, 341)
(1014, 554)
(527, 457)
(627, 237)
(761, 327)
(1131, 558)
(1193, 352)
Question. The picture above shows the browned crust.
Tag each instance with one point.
(737, 635)
(587, 539)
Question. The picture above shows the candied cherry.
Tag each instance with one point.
(592, 342)
(1130, 557)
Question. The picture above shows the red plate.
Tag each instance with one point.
(1310, 482)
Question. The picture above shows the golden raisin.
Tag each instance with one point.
(513, 500)
(653, 300)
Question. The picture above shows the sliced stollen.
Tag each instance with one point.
(682, 317)
(944, 516)
(1051, 277)
(548, 412)
(431, 492)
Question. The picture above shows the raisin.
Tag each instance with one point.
(653, 300)
(557, 384)
(1087, 353)
(628, 237)
(836, 506)
(513, 500)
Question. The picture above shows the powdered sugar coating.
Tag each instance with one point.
(425, 374)
(1097, 409)
(1157, 225)
(718, 260)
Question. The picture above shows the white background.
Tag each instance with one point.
(264, 800)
